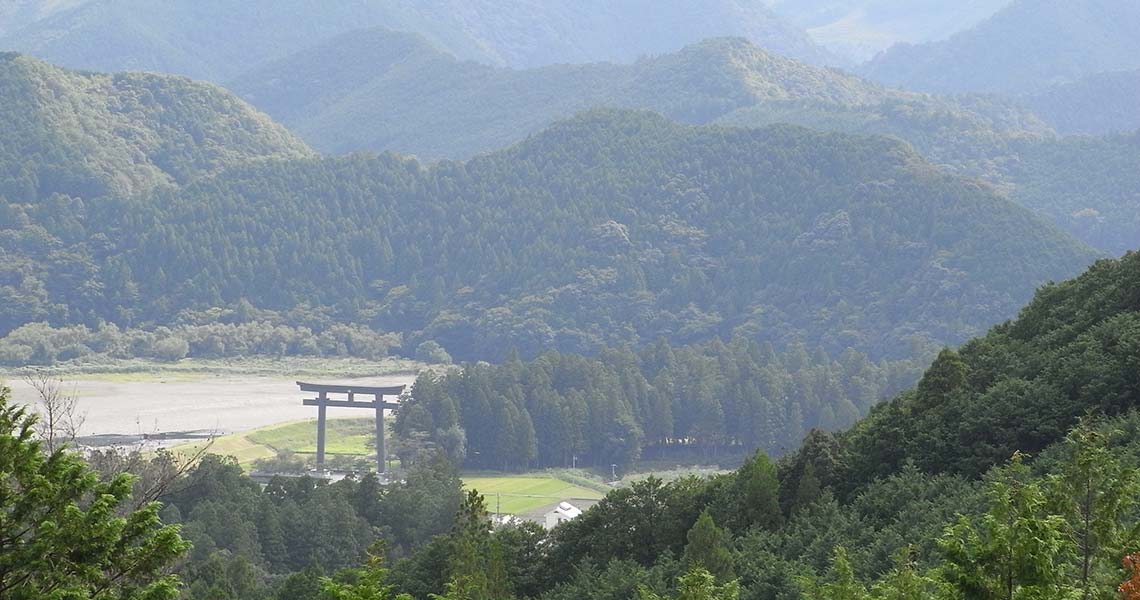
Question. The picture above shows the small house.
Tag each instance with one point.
(561, 513)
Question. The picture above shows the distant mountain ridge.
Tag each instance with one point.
(1025, 47)
(217, 40)
(859, 29)
(382, 90)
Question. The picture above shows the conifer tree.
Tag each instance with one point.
(66, 534)
(707, 548)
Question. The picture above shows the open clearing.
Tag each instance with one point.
(343, 436)
(526, 493)
(192, 395)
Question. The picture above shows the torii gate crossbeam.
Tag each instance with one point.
(322, 402)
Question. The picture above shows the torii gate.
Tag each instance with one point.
(377, 403)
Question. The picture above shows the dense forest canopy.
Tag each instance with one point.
(678, 232)
(1072, 350)
(1083, 184)
(386, 92)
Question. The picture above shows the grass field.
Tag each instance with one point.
(342, 436)
(518, 494)
(349, 437)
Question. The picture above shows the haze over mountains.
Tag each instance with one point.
(860, 29)
(218, 40)
(394, 91)
(382, 90)
(1095, 104)
(1025, 47)
(185, 151)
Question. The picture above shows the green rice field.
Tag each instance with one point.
(519, 494)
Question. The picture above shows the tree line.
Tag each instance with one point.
(710, 402)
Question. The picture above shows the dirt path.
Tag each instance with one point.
(223, 404)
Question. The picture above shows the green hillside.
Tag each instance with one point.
(86, 135)
(611, 227)
(1021, 387)
(1085, 185)
(1026, 46)
(986, 464)
(1010, 470)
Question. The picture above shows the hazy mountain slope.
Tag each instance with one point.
(612, 227)
(217, 40)
(15, 14)
(529, 33)
(1027, 46)
(1086, 185)
(88, 134)
(859, 29)
(383, 90)
(1089, 186)
(1097, 104)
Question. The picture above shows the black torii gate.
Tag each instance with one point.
(378, 404)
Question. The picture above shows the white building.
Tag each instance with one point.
(562, 513)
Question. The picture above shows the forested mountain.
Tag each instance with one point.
(388, 90)
(1027, 46)
(613, 227)
(382, 90)
(1086, 185)
(1097, 104)
(87, 135)
(216, 40)
(858, 29)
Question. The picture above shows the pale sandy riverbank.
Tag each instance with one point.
(223, 404)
